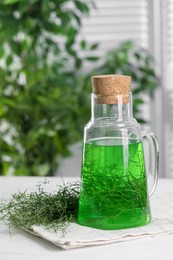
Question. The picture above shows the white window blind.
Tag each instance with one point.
(169, 15)
(114, 21)
(167, 32)
(150, 24)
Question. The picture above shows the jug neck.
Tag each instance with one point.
(120, 108)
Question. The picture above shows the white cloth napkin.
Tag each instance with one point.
(78, 236)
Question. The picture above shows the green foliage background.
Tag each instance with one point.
(44, 87)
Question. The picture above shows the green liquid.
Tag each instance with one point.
(114, 189)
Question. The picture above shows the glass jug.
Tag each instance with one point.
(114, 190)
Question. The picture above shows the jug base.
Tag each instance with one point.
(123, 221)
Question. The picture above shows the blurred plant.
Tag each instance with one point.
(43, 105)
(137, 62)
(44, 87)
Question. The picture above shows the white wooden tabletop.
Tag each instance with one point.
(24, 246)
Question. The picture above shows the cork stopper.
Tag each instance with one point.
(108, 87)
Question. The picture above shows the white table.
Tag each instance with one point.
(25, 246)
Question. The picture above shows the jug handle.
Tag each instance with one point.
(153, 156)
